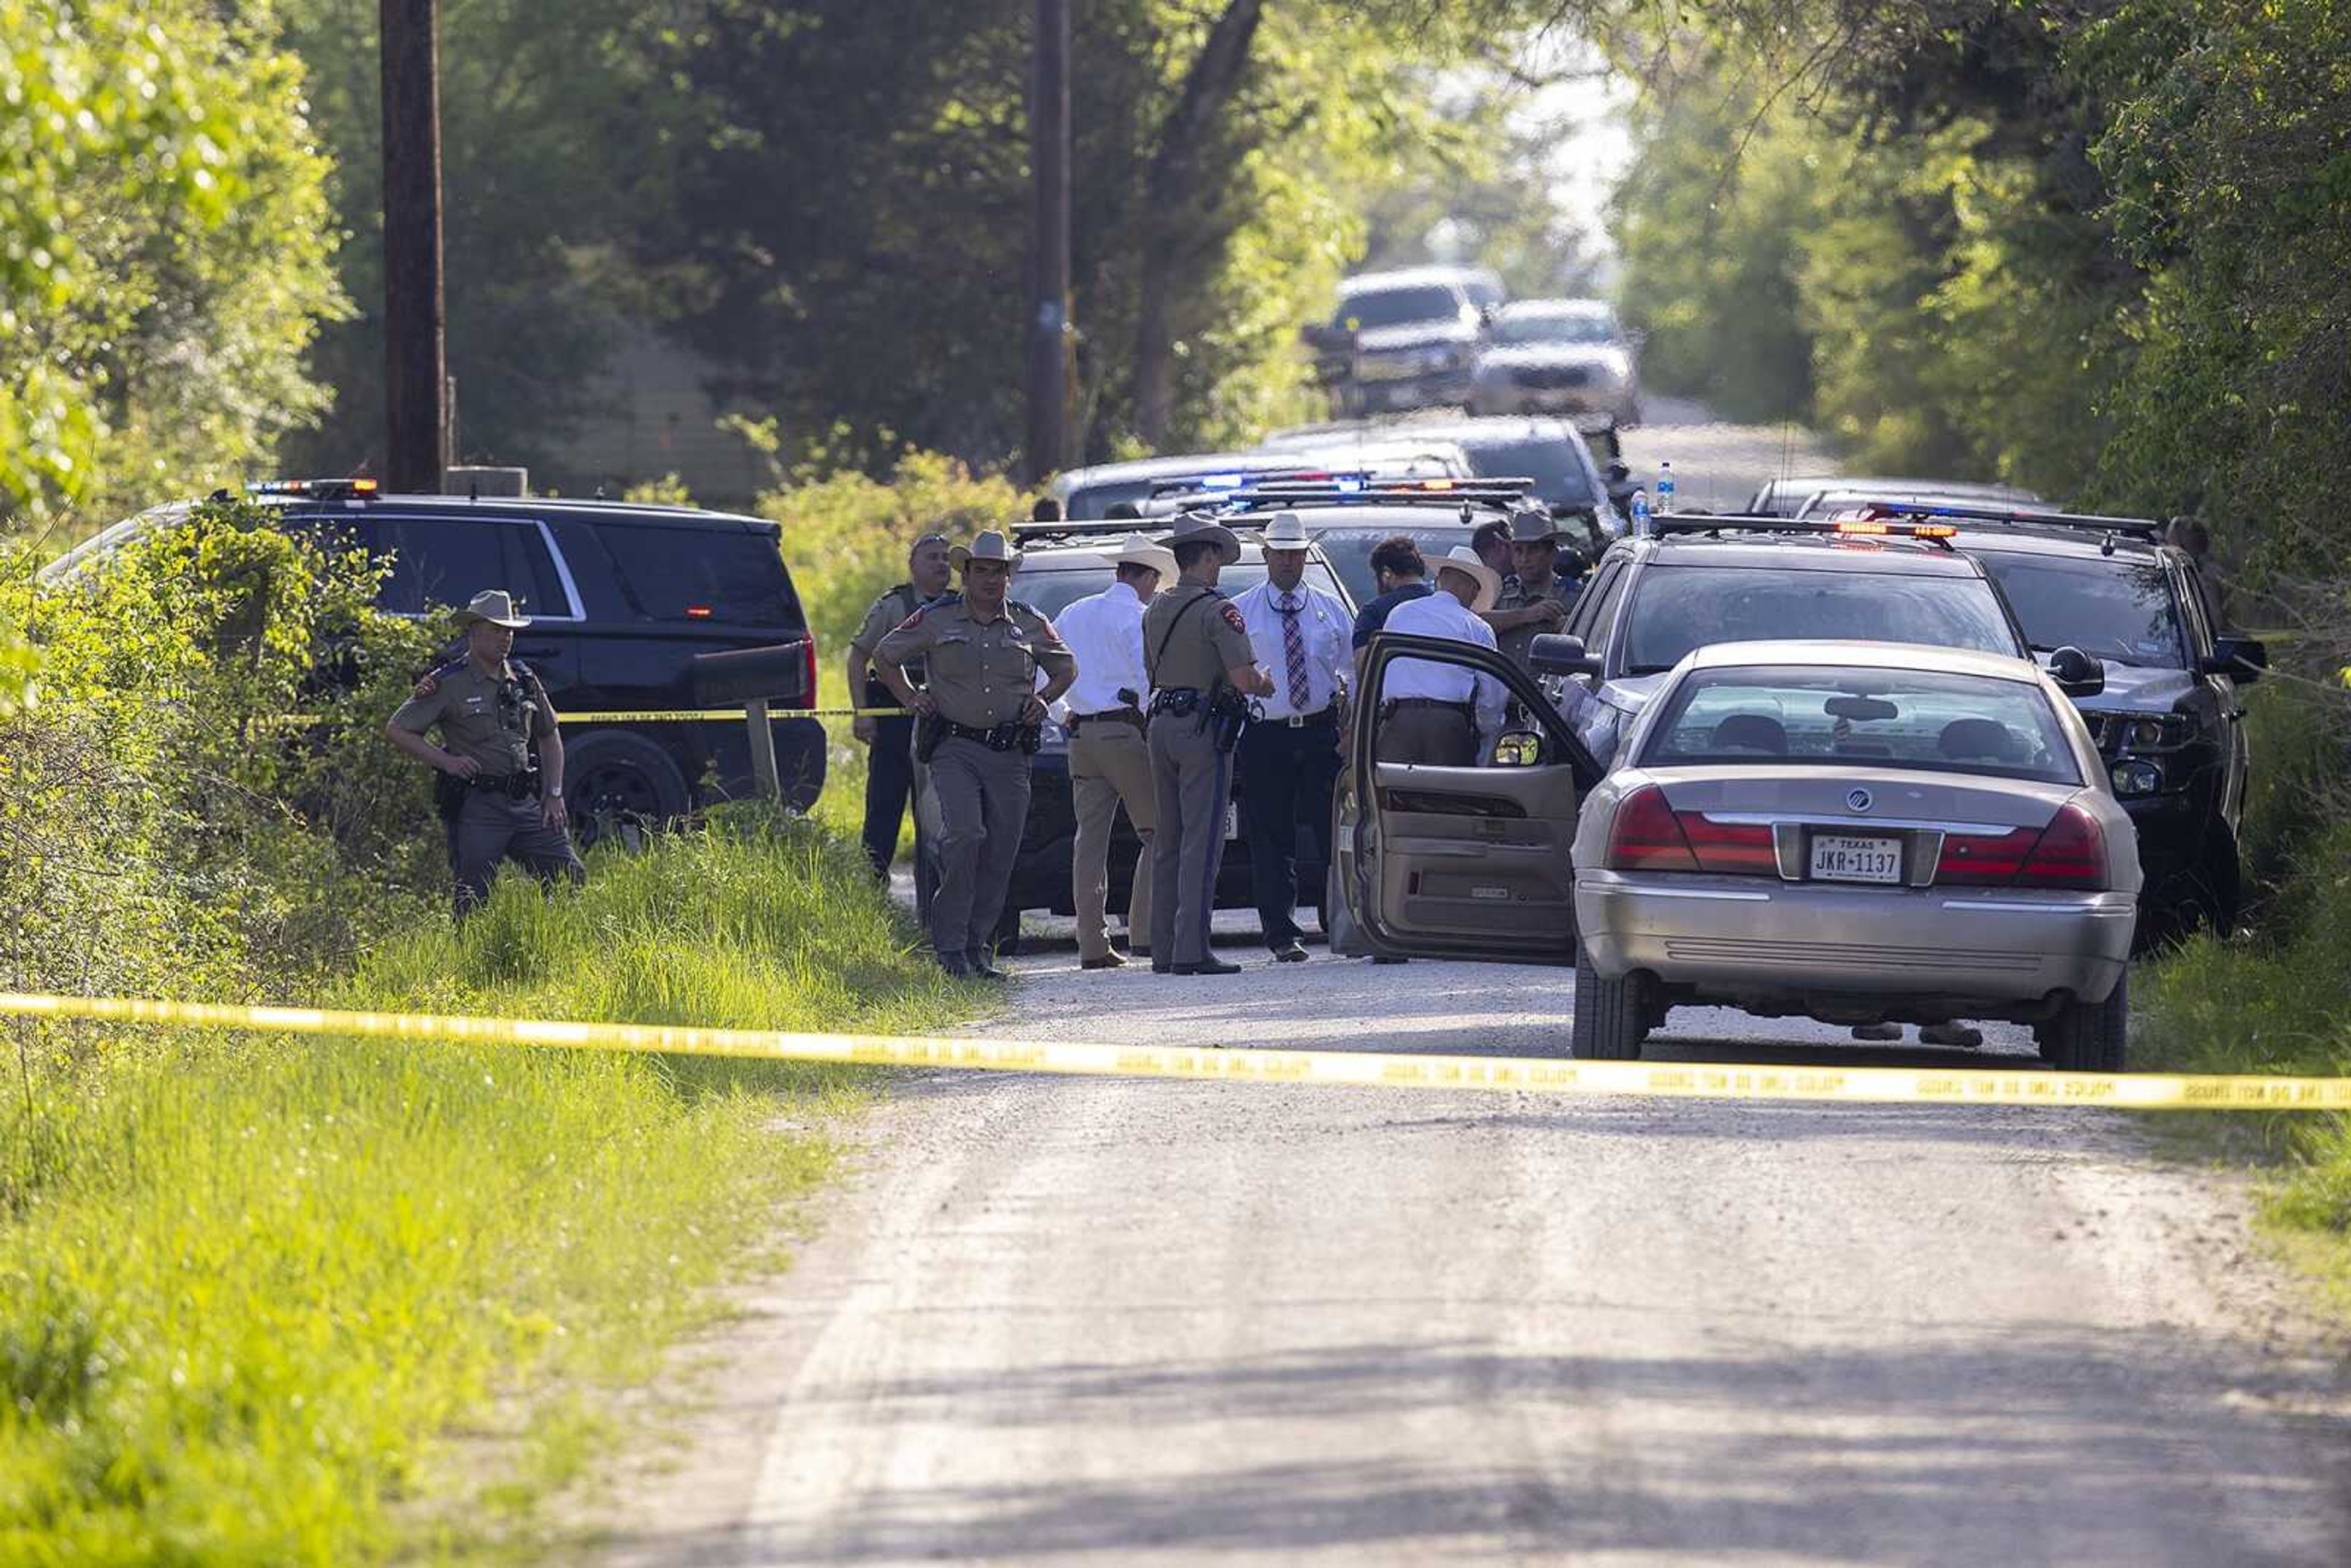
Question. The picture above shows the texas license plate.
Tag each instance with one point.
(1840, 857)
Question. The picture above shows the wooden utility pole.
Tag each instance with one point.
(416, 322)
(1050, 340)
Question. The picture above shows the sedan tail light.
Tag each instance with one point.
(2070, 851)
(1650, 835)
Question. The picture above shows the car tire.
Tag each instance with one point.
(1612, 1016)
(2089, 1037)
(621, 787)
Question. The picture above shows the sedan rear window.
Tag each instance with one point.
(1678, 608)
(1769, 715)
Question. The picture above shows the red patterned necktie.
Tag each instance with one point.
(1293, 651)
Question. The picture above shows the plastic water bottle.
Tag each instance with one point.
(1640, 514)
(1665, 486)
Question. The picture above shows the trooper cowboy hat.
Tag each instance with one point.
(1462, 558)
(1198, 527)
(1535, 526)
(1287, 532)
(1139, 549)
(496, 606)
(990, 545)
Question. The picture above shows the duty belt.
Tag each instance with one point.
(513, 785)
(1177, 700)
(1010, 735)
(1467, 710)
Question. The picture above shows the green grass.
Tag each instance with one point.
(269, 1300)
(2281, 1006)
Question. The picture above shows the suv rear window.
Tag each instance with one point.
(1678, 608)
(703, 574)
(1398, 306)
(1350, 551)
(1555, 467)
(1768, 716)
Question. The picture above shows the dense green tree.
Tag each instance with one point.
(164, 254)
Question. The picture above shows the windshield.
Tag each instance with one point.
(1680, 608)
(1397, 307)
(1350, 552)
(2116, 610)
(1578, 328)
(1560, 476)
(1050, 590)
(1765, 716)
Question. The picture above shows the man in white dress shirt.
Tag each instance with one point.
(1289, 761)
(1442, 714)
(1110, 762)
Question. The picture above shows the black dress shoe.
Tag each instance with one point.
(1293, 952)
(1208, 966)
(1162, 966)
(1107, 961)
(981, 968)
(955, 964)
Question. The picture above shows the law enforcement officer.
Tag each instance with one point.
(492, 711)
(1534, 598)
(1441, 713)
(1202, 673)
(890, 737)
(980, 713)
(1110, 762)
(1289, 753)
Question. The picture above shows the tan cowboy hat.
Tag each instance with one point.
(1462, 557)
(1137, 549)
(1535, 525)
(1287, 532)
(495, 606)
(1198, 527)
(990, 545)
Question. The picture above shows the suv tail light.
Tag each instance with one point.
(1650, 835)
(808, 670)
(2070, 851)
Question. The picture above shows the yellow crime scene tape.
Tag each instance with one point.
(1503, 1074)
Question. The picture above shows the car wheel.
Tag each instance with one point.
(2088, 1037)
(1612, 1016)
(621, 787)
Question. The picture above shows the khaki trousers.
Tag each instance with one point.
(1109, 764)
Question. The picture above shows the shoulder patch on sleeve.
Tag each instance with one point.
(914, 620)
(1233, 618)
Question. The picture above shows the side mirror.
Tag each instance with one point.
(1518, 749)
(2241, 659)
(1557, 654)
(2076, 673)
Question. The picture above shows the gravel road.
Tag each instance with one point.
(1101, 1321)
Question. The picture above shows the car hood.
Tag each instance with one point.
(1598, 355)
(2138, 688)
(1414, 335)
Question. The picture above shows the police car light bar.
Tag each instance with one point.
(1848, 527)
(2012, 516)
(317, 489)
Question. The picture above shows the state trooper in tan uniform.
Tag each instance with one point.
(1533, 599)
(1202, 670)
(980, 715)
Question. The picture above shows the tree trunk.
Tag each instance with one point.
(1171, 189)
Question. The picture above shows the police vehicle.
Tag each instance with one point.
(626, 599)
(2169, 717)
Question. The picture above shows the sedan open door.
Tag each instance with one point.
(1467, 861)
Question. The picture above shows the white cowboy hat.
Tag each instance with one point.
(1287, 532)
(1462, 558)
(495, 606)
(990, 545)
(1198, 527)
(1138, 549)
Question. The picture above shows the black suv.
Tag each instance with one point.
(2168, 720)
(1695, 579)
(624, 599)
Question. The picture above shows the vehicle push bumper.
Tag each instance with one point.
(1738, 935)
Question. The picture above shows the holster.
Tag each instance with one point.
(929, 730)
(449, 793)
(1229, 714)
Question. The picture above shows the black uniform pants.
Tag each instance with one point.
(493, 828)
(889, 788)
(1285, 782)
